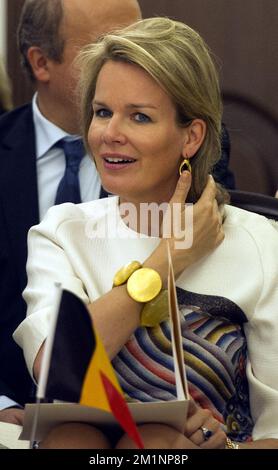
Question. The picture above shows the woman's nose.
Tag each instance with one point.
(114, 132)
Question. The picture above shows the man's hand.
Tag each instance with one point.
(12, 415)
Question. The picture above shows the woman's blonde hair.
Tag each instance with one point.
(179, 61)
(5, 89)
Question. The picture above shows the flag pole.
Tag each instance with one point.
(40, 393)
(33, 442)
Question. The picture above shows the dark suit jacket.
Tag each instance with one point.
(18, 212)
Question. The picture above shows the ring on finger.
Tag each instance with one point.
(207, 433)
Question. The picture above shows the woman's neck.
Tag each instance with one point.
(143, 217)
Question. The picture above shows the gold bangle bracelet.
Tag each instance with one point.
(125, 272)
(231, 444)
(144, 285)
(156, 311)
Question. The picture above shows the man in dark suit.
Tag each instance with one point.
(50, 35)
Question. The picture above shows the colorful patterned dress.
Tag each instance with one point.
(214, 354)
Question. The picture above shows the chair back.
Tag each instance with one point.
(254, 202)
(253, 132)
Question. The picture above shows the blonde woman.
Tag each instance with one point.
(152, 108)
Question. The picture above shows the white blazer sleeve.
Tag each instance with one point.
(47, 263)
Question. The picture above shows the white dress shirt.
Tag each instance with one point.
(6, 402)
(51, 164)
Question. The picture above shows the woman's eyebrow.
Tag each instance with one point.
(131, 105)
(99, 103)
(141, 105)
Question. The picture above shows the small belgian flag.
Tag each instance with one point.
(79, 368)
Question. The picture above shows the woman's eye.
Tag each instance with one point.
(141, 117)
(102, 113)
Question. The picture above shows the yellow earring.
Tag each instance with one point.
(186, 163)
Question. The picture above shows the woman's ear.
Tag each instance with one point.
(195, 134)
(39, 63)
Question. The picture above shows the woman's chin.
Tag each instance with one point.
(117, 188)
(111, 188)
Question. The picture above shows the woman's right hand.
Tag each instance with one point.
(207, 223)
(198, 419)
(207, 229)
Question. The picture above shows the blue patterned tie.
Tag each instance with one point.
(69, 189)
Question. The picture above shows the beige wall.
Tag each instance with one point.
(3, 29)
(242, 33)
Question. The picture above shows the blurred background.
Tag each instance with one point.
(243, 37)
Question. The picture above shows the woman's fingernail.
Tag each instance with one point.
(185, 175)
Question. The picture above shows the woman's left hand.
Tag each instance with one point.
(203, 429)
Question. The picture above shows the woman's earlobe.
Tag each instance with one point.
(196, 133)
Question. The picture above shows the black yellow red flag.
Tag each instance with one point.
(79, 368)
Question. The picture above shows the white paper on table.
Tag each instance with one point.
(9, 436)
(51, 414)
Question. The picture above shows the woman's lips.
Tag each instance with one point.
(117, 162)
